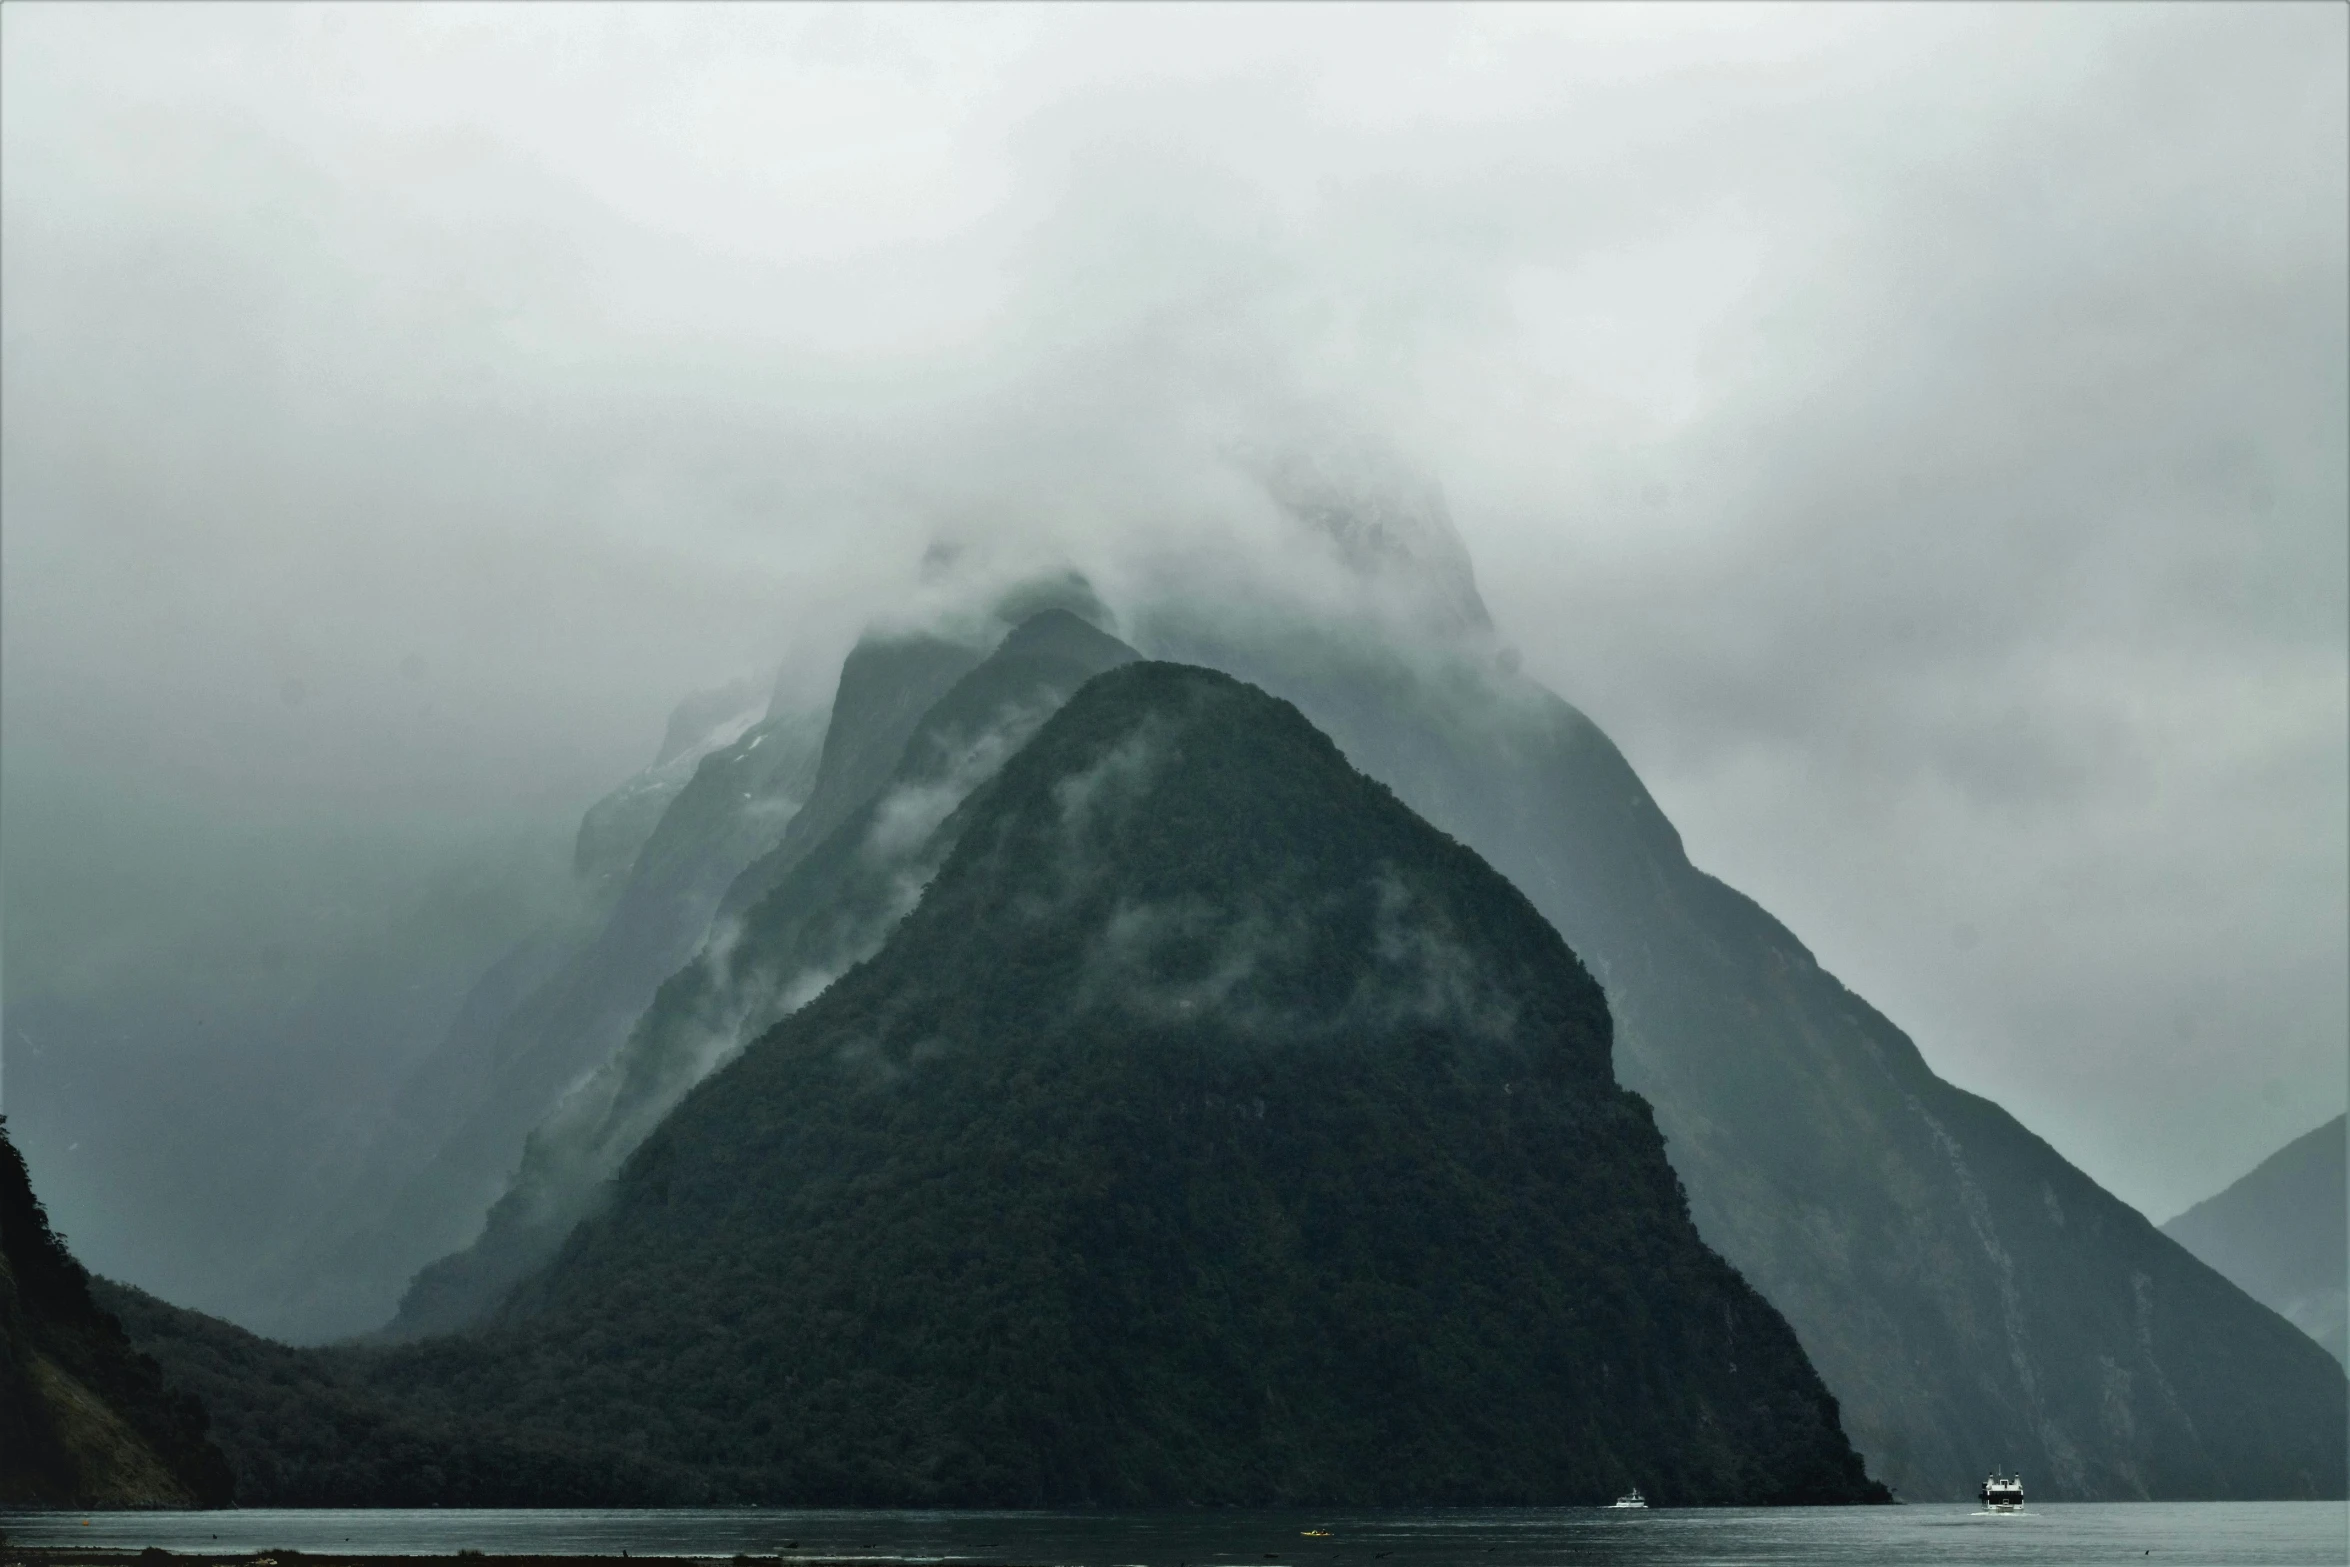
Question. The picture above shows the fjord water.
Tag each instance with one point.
(2179, 1534)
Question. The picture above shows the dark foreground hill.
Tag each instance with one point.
(354, 1426)
(1212, 1131)
(85, 1419)
(2279, 1234)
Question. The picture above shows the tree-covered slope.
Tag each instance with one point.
(1212, 1130)
(85, 1419)
(357, 1426)
(2279, 1235)
(1970, 1296)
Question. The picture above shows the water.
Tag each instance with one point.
(2056, 1534)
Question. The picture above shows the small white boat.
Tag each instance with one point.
(1633, 1499)
(2003, 1493)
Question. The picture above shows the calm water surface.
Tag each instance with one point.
(2198, 1534)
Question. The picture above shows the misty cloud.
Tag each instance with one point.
(1172, 962)
(906, 818)
(1428, 975)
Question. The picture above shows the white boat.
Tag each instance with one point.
(2003, 1493)
(1633, 1498)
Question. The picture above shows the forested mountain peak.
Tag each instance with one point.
(1213, 1130)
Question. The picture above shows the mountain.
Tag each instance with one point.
(653, 859)
(85, 1419)
(887, 683)
(1968, 1295)
(1211, 1130)
(900, 755)
(619, 825)
(2279, 1234)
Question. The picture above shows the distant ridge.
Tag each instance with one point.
(2279, 1234)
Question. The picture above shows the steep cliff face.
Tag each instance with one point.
(2279, 1235)
(85, 1419)
(888, 682)
(822, 904)
(618, 826)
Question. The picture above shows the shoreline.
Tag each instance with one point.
(14, 1555)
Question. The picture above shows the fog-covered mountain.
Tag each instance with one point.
(652, 858)
(620, 824)
(2279, 1233)
(1964, 1290)
(1968, 1295)
(818, 903)
(1211, 1130)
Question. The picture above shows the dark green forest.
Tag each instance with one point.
(351, 1426)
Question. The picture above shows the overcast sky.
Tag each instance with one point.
(1917, 434)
